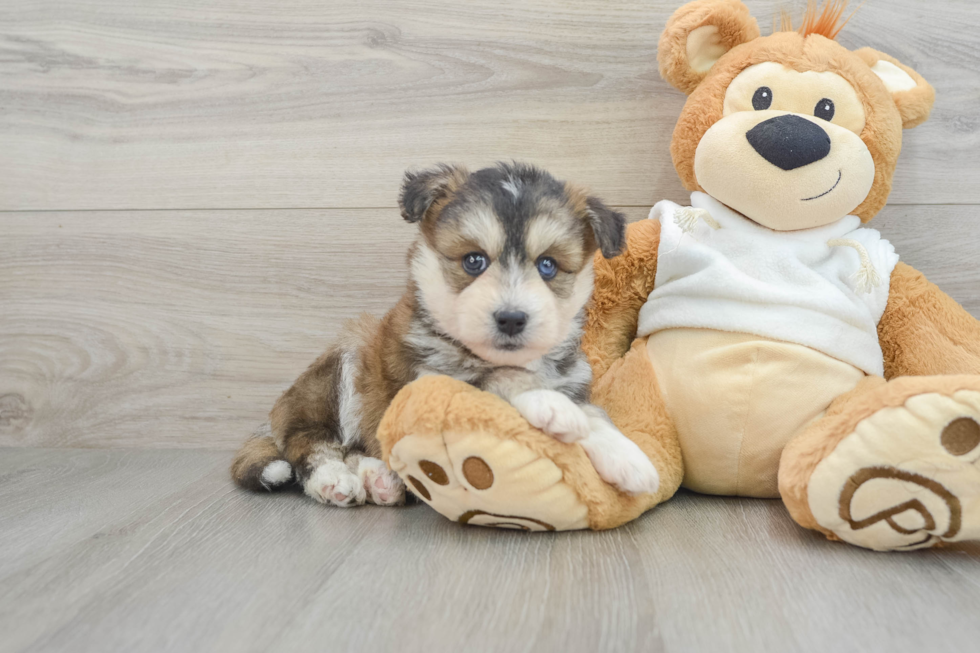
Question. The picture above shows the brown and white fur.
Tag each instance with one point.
(511, 329)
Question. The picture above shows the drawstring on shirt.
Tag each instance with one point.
(866, 278)
(686, 218)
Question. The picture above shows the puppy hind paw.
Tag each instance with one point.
(553, 413)
(334, 484)
(382, 486)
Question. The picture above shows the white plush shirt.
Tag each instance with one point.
(789, 286)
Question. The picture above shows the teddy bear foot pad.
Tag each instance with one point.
(482, 480)
(906, 477)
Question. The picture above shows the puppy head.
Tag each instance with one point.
(504, 262)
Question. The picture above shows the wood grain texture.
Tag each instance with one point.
(177, 329)
(180, 328)
(155, 551)
(111, 104)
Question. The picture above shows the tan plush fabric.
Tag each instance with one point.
(433, 415)
(622, 286)
(732, 172)
(906, 478)
(883, 127)
(536, 478)
(924, 331)
(732, 23)
(914, 104)
(631, 395)
(804, 454)
(886, 113)
(737, 399)
(478, 478)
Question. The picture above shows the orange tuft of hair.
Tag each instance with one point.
(824, 22)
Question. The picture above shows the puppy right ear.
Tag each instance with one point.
(420, 190)
(608, 227)
(698, 35)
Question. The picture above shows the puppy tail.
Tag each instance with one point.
(259, 465)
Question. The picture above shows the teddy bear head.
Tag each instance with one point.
(792, 130)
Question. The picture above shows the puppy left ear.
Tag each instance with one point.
(913, 95)
(421, 190)
(608, 226)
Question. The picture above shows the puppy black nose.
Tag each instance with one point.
(510, 322)
(789, 142)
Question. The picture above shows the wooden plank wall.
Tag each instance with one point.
(193, 197)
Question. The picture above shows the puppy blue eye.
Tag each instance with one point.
(475, 263)
(547, 267)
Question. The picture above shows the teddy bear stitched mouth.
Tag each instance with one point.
(840, 175)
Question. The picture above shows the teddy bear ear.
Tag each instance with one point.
(698, 35)
(913, 95)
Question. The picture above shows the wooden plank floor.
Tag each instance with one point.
(119, 329)
(137, 551)
(123, 104)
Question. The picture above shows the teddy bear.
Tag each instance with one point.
(761, 342)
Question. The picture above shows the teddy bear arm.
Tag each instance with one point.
(472, 457)
(622, 286)
(924, 331)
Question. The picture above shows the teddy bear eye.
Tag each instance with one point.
(762, 99)
(825, 109)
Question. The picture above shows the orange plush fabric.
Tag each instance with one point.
(731, 21)
(803, 454)
(883, 130)
(912, 485)
(437, 412)
(924, 331)
(622, 286)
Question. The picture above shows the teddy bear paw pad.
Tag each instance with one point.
(482, 480)
(907, 477)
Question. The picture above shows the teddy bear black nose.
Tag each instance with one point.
(789, 142)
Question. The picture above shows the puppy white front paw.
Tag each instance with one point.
(383, 486)
(553, 413)
(619, 461)
(331, 482)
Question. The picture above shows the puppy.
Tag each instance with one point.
(499, 278)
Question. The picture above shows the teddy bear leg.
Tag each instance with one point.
(892, 466)
(631, 396)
